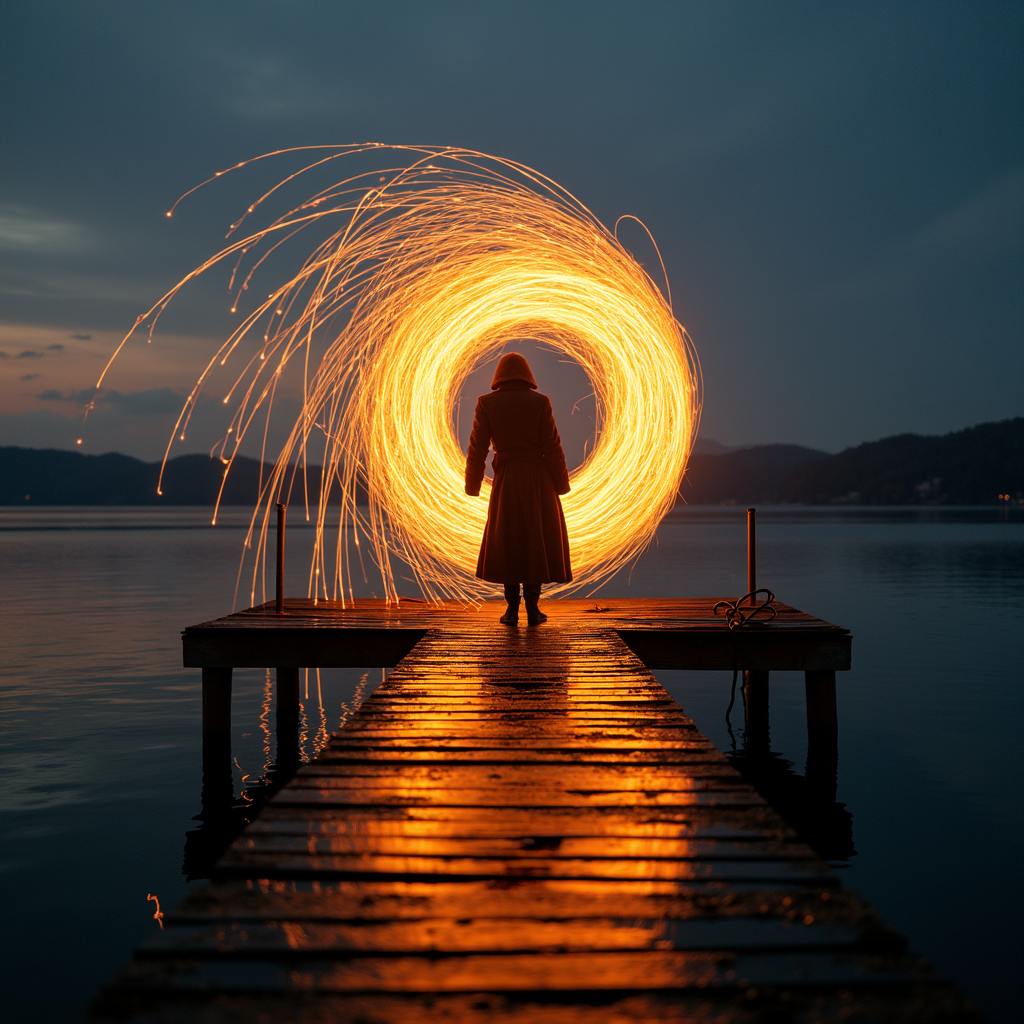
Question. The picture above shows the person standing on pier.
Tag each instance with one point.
(525, 540)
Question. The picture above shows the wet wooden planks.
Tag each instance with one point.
(409, 613)
(523, 826)
(666, 633)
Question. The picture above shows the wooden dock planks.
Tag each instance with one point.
(522, 825)
(681, 633)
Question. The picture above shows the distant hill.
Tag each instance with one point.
(51, 477)
(742, 477)
(969, 467)
(706, 446)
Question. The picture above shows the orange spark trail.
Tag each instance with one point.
(422, 272)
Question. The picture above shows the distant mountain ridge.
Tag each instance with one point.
(706, 446)
(743, 476)
(967, 467)
(53, 477)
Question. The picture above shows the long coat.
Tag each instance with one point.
(525, 540)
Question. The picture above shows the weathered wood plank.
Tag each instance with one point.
(932, 1000)
(741, 796)
(500, 935)
(452, 752)
(755, 871)
(499, 775)
(294, 647)
(537, 899)
(782, 649)
(680, 633)
(279, 838)
(527, 825)
(556, 972)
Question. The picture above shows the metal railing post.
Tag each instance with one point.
(751, 552)
(280, 557)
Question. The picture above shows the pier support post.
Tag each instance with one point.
(755, 693)
(216, 702)
(822, 734)
(218, 792)
(287, 716)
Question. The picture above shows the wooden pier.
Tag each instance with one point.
(521, 825)
(664, 633)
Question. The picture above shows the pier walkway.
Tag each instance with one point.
(518, 826)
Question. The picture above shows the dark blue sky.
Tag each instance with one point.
(837, 188)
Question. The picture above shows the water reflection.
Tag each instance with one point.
(806, 802)
(102, 727)
(223, 816)
(817, 817)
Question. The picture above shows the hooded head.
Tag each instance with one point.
(512, 367)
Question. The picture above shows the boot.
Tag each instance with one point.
(531, 595)
(511, 616)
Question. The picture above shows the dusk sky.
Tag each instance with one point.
(837, 188)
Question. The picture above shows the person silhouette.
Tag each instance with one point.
(525, 540)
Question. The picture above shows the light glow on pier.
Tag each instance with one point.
(415, 275)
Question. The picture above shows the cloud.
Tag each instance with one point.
(32, 353)
(988, 224)
(258, 84)
(768, 110)
(31, 376)
(23, 229)
(48, 284)
(991, 221)
(151, 402)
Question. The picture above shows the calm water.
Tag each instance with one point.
(100, 726)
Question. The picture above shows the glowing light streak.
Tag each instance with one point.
(426, 271)
(158, 914)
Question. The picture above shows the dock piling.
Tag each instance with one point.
(755, 692)
(216, 702)
(218, 792)
(822, 732)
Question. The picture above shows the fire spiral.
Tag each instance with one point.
(419, 274)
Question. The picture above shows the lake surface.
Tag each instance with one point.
(100, 727)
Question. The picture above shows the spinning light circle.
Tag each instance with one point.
(429, 270)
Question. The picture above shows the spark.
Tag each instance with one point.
(158, 914)
(406, 290)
